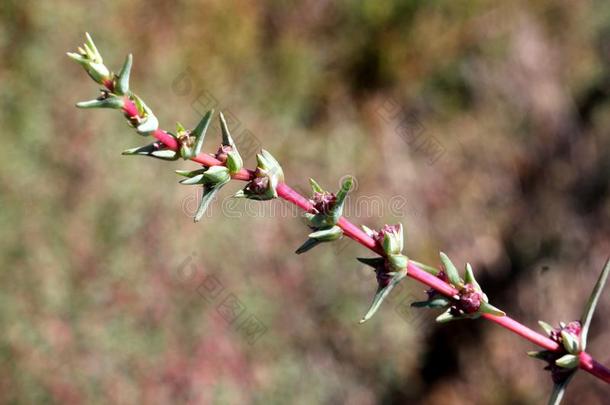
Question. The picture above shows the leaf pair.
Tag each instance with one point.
(191, 142)
(329, 211)
(267, 176)
(573, 339)
(212, 180)
(470, 302)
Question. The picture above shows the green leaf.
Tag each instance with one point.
(326, 235)
(446, 317)
(227, 140)
(371, 233)
(346, 186)
(180, 128)
(570, 342)
(234, 162)
(209, 192)
(382, 293)
(546, 327)
(374, 262)
(452, 272)
(107, 102)
(587, 315)
(197, 179)
(310, 243)
(559, 390)
(200, 131)
(122, 82)
(273, 168)
(568, 361)
(398, 262)
(152, 150)
(434, 303)
(317, 221)
(487, 308)
(323, 235)
(470, 279)
(148, 125)
(540, 355)
(315, 186)
(190, 173)
(95, 54)
(216, 175)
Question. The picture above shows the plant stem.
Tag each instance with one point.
(589, 364)
(284, 191)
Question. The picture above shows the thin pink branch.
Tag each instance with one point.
(284, 191)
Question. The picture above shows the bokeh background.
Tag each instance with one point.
(482, 126)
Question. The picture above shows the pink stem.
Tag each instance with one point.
(522, 330)
(284, 191)
(589, 364)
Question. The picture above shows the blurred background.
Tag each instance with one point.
(481, 126)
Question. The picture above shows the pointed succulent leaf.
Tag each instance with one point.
(227, 140)
(337, 209)
(121, 85)
(91, 60)
(546, 327)
(446, 316)
(570, 342)
(209, 192)
(371, 233)
(540, 355)
(216, 175)
(326, 235)
(374, 262)
(190, 173)
(559, 390)
(568, 361)
(95, 54)
(149, 122)
(310, 243)
(587, 315)
(439, 302)
(180, 128)
(382, 293)
(104, 102)
(164, 154)
(316, 221)
(398, 261)
(200, 131)
(189, 181)
(470, 279)
(452, 272)
(315, 186)
(273, 167)
(152, 150)
(487, 308)
(400, 237)
(315, 238)
(393, 241)
(234, 161)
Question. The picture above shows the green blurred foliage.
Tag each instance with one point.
(97, 304)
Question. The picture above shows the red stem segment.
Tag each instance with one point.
(284, 191)
(589, 364)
